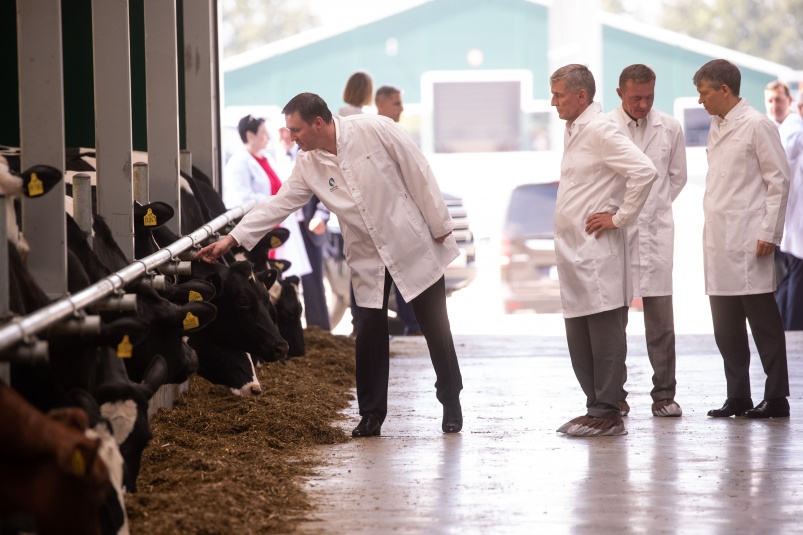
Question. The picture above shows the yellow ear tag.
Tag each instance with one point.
(191, 321)
(35, 187)
(77, 464)
(280, 265)
(195, 296)
(125, 348)
(150, 218)
(275, 242)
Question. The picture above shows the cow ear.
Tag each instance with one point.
(267, 277)
(280, 265)
(155, 375)
(39, 179)
(123, 334)
(84, 400)
(192, 290)
(195, 315)
(151, 216)
(276, 237)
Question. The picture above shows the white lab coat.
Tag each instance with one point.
(745, 201)
(601, 171)
(651, 241)
(791, 132)
(386, 199)
(244, 180)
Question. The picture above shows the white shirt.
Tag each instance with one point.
(601, 171)
(386, 199)
(651, 241)
(791, 132)
(244, 180)
(745, 201)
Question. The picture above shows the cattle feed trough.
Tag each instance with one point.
(24, 329)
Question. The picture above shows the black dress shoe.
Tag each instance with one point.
(769, 408)
(732, 406)
(369, 426)
(452, 417)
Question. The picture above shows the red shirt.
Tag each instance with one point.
(275, 183)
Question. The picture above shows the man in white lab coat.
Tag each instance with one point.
(651, 240)
(605, 180)
(778, 101)
(746, 190)
(396, 227)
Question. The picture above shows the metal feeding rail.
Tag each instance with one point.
(24, 328)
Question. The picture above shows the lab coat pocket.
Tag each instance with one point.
(588, 247)
(741, 230)
(412, 215)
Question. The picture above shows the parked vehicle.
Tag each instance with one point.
(463, 270)
(528, 270)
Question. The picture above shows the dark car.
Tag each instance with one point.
(529, 273)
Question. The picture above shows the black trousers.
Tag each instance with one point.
(373, 349)
(790, 292)
(315, 309)
(729, 313)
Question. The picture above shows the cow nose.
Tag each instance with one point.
(255, 391)
(282, 348)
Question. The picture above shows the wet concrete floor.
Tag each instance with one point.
(510, 472)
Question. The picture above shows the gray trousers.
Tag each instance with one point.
(730, 332)
(597, 346)
(659, 330)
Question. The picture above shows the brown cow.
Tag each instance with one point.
(49, 469)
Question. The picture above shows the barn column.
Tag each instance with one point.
(201, 87)
(161, 73)
(110, 33)
(41, 94)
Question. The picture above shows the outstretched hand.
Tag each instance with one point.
(213, 251)
(599, 223)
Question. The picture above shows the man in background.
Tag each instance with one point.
(651, 240)
(789, 258)
(388, 102)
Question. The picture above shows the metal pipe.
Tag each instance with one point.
(176, 268)
(66, 306)
(33, 353)
(117, 303)
(82, 203)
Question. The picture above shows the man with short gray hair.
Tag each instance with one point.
(651, 239)
(604, 182)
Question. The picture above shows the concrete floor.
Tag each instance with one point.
(510, 472)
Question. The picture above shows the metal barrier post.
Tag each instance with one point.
(82, 203)
(5, 370)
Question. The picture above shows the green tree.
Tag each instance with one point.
(247, 24)
(764, 28)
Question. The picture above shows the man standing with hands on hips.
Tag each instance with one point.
(396, 228)
(651, 239)
(604, 181)
(744, 205)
